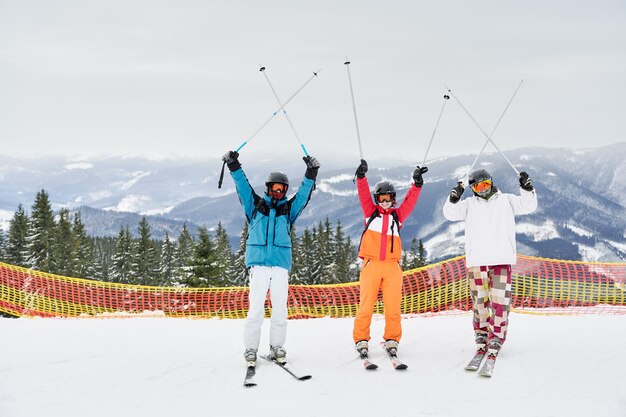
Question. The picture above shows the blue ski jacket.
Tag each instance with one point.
(269, 230)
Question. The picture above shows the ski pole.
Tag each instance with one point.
(445, 100)
(276, 112)
(221, 178)
(284, 111)
(356, 121)
(494, 129)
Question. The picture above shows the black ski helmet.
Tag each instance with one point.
(277, 178)
(479, 175)
(384, 187)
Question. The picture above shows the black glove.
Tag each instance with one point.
(456, 193)
(231, 160)
(417, 176)
(362, 169)
(525, 182)
(312, 166)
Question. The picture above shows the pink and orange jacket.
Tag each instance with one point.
(381, 240)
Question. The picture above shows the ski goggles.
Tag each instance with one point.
(481, 187)
(277, 189)
(384, 198)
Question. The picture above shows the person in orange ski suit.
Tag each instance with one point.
(381, 251)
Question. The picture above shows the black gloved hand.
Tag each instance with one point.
(362, 169)
(231, 160)
(456, 193)
(525, 182)
(312, 166)
(417, 176)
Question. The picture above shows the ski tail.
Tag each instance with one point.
(284, 366)
(250, 380)
(365, 357)
(475, 362)
(392, 353)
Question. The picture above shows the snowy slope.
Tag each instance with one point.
(551, 366)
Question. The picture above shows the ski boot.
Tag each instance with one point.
(493, 347)
(250, 357)
(363, 348)
(391, 346)
(278, 354)
(481, 341)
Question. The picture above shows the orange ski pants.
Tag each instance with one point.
(375, 275)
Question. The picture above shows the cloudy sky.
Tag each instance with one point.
(182, 77)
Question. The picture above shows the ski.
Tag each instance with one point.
(250, 380)
(286, 368)
(487, 368)
(474, 364)
(365, 357)
(393, 357)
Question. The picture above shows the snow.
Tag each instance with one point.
(461, 172)
(130, 203)
(95, 196)
(450, 242)
(538, 232)
(579, 230)
(5, 219)
(78, 165)
(137, 176)
(161, 367)
(619, 245)
(157, 212)
(589, 253)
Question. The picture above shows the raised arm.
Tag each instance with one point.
(244, 189)
(302, 197)
(408, 204)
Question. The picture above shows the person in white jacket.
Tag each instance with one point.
(490, 250)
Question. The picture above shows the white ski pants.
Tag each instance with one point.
(263, 278)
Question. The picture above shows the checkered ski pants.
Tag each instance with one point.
(491, 294)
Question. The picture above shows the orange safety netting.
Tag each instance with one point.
(544, 286)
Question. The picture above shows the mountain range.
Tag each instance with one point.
(581, 214)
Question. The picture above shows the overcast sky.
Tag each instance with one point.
(182, 77)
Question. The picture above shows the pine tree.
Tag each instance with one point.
(145, 262)
(239, 271)
(122, 258)
(223, 254)
(322, 263)
(298, 269)
(85, 264)
(103, 252)
(421, 255)
(2, 246)
(307, 256)
(415, 257)
(167, 266)
(345, 255)
(184, 256)
(204, 264)
(41, 233)
(62, 256)
(16, 242)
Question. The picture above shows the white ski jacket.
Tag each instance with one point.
(490, 225)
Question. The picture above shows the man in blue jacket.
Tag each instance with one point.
(268, 250)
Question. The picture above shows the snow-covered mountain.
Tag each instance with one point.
(581, 211)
